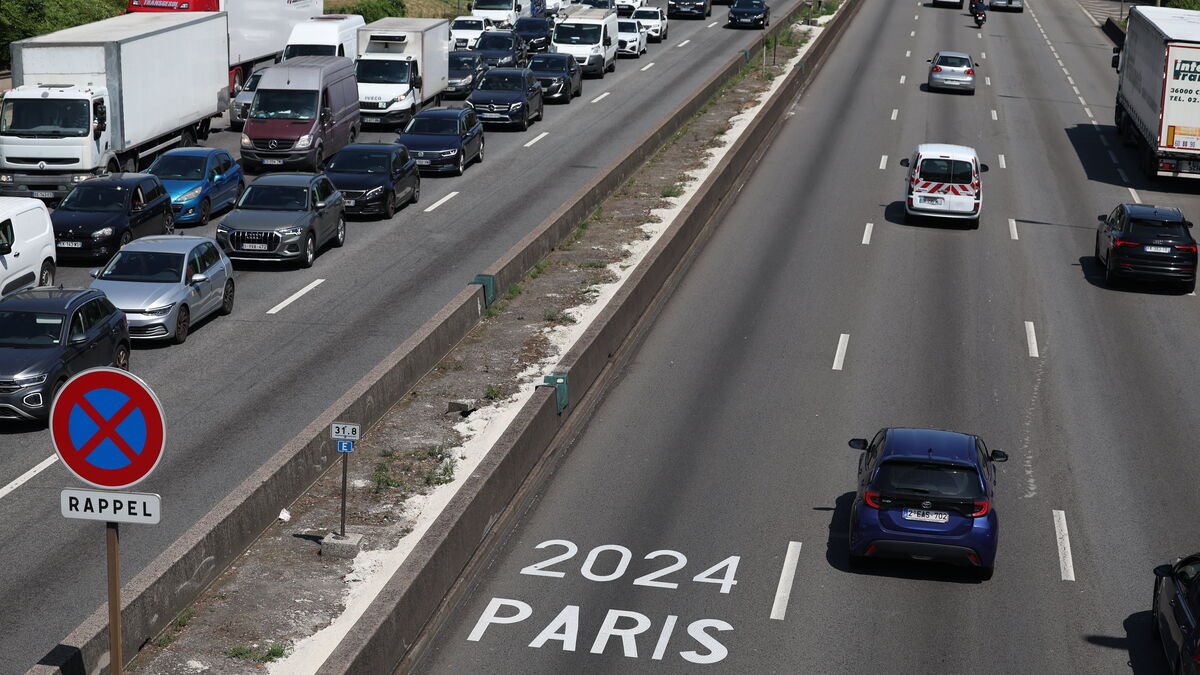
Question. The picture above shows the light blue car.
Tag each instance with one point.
(201, 181)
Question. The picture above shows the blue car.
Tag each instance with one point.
(200, 181)
(925, 494)
(444, 140)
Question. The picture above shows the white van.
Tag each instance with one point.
(325, 35)
(503, 13)
(943, 182)
(590, 35)
(26, 245)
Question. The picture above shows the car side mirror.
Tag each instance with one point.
(326, 115)
(416, 81)
(976, 65)
(928, 60)
(321, 205)
(1101, 218)
(1187, 223)
(1164, 572)
(983, 168)
(78, 338)
(858, 443)
(5, 248)
(217, 177)
(1116, 61)
(1116, 50)
(904, 162)
(95, 274)
(518, 7)
(199, 278)
(608, 42)
(999, 456)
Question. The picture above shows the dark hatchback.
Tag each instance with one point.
(535, 31)
(47, 335)
(508, 96)
(694, 9)
(749, 13)
(100, 215)
(1139, 241)
(1175, 613)
(559, 74)
(375, 179)
(465, 70)
(502, 48)
(444, 140)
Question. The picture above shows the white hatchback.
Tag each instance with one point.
(943, 182)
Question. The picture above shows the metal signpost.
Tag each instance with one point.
(108, 429)
(345, 434)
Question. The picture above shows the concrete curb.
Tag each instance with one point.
(394, 621)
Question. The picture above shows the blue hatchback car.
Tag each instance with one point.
(201, 181)
(925, 494)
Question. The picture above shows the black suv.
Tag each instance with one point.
(47, 335)
(1147, 242)
(502, 48)
(508, 95)
(100, 215)
(695, 9)
(560, 76)
(285, 217)
(535, 31)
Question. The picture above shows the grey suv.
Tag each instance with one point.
(285, 217)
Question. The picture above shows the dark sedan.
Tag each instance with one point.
(749, 13)
(535, 31)
(508, 96)
(465, 70)
(559, 74)
(1139, 241)
(693, 9)
(1175, 613)
(502, 48)
(444, 140)
(284, 217)
(100, 215)
(375, 178)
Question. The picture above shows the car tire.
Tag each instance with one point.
(227, 298)
(479, 155)
(183, 323)
(416, 192)
(169, 222)
(309, 254)
(389, 206)
(205, 212)
(541, 111)
(524, 123)
(126, 237)
(121, 357)
(318, 161)
(462, 163)
(46, 275)
(1110, 276)
(339, 233)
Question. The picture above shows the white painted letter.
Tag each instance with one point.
(716, 650)
(568, 621)
(609, 629)
(489, 616)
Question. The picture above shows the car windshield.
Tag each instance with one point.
(462, 61)
(646, 14)
(360, 161)
(749, 4)
(467, 24)
(493, 4)
(292, 51)
(44, 117)
(502, 82)
(1157, 228)
(902, 477)
(547, 62)
(951, 61)
(372, 71)
(531, 25)
(179, 167)
(95, 198)
(30, 329)
(627, 26)
(438, 126)
(275, 198)
(946, 171)
(278, 104)
(144, 266)
(252, 83)
(599, 4)
(577, 33)
(494, 42)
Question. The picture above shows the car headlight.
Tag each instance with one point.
(190, 194)
(80, 177)
(159, 311)
(5, 178)
(102, 233)
(597, 49)
(304, 141)
(448, 153)
(470, 105)
(291, 231)
(516, 106)
(26, 380)
(224, 229)
(246, 142)
(373, 192)
(461, 81)
(505, 60)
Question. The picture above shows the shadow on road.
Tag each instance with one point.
(1145, 653)
(894, 213)
(1093, 273)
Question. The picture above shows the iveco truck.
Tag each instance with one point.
(402, 64)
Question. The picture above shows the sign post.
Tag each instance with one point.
(345, 434)
(108, 429)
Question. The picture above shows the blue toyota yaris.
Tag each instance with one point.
(201, 181)
(925, 494)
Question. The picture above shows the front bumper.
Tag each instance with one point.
(149, 327)
(187, 212)
(365, 207)
(29, 403)
(458, 91)
(295, 159)
(240, 245)
(747, 21)
(694, 11)
(50, 187)
(84, 249)
(501, 116)
(591, 64)
(628, 49)
(557, 91)
(388, 117)
(434, 162)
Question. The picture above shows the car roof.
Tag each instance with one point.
(949, 53)
(498, 32)
(506, 71)
(1151, 212)
(930, 444)
(442, 112)
(296, 178)
(122, 179)
(48, 299)
(166, 243)
(193, 152)
(466, 52)
(946, 150)
(370, 146)
(467, 16)
(557, 56)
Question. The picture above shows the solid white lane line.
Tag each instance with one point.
(866, 240)
(1012, 229)
(712, 24)
(987, 80)
(1002, 164)
(1113, 156)
(600, 97)
(883, 162)
(452, 195)
(1133, 193)
(1065, 564)
(786, 576)
(1031, 338)
(902, 78)
(994, 118)
(295, 296)
(648, 66)
(537, 138)
(683, 43)
(1121, 173)
(25, 477)
(839, 356)
(895, 112)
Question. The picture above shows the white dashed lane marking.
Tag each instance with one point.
(895, 112)
(994, 117)
(537, 138)
(441, 201)
(648, 66)
(883, 162)
(1031, 339)
(1066, 566)
(683, 43)
(1012, 229)
(839, 357)
(866, 240)
(1003, 165)
(783, 592)
(28, 475)
(712, 24)
(297, 295)
(600, 97)
(1133, 193)
(902, 78)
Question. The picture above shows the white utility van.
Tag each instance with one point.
(325, 35)
(943, 182)
(26, 245)
(503, 13)
(589, 35)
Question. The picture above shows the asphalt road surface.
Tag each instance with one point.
(720, 456)
(245, 384)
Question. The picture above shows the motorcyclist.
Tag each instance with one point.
(978, 7)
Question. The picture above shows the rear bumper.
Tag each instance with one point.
(936, 212)
(926, 551)
(956, 84)
(1151, 270)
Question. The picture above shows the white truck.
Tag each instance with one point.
(402, 64)
(590, 35)
(1158, 89)
(504, 13)
(109, 96)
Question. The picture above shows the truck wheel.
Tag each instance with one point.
(187, 138)
(318, 161)
(203, 129)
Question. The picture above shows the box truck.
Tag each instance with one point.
(402, 65)
(1158, 89)
(258, 29)
(109, 96)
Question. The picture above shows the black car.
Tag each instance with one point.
(284, 217)
(1146, 242)
(375, 178)
(502, 48)
(508, 96)
(443, 140)
(1175, 613)
(695, 9)
(560, 76)
(47, 335)
(535, 31)
(749, 13)
(465, 70)
(100, 215)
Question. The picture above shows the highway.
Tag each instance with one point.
(243, 385)
(720, 454)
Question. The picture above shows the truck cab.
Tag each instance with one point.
(52, 136)
(504, 13)
(326, 35)
(402, 63)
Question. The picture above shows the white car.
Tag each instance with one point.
(625, 8)
(465, 30)
(943, 182)
(655, 21)
(631, 38)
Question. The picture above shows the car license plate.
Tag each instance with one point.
(931, 200)
(1158, 249)
(70, 244)
(491, 116)
(254, 247)
(422, 162)
(349, 202)
(372, 120)
(43, 195)
(273, 162)
(926, 516)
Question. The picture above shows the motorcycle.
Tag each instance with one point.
(980, 17)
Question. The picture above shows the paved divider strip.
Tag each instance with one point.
(394, 621)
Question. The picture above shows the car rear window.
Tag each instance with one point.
(1157, 228)
(932, 479)
(946, 171)
(953, 62)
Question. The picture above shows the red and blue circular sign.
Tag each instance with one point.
(108, 428)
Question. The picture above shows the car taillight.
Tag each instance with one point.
(872, 499)
(1167, 164)
(1186, 247)
(937, 69)
(970, 71)
(981, 509)
(1121, 242)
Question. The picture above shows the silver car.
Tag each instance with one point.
(952, 70)
(165, 284)
(239, 107)
(1014, 5)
